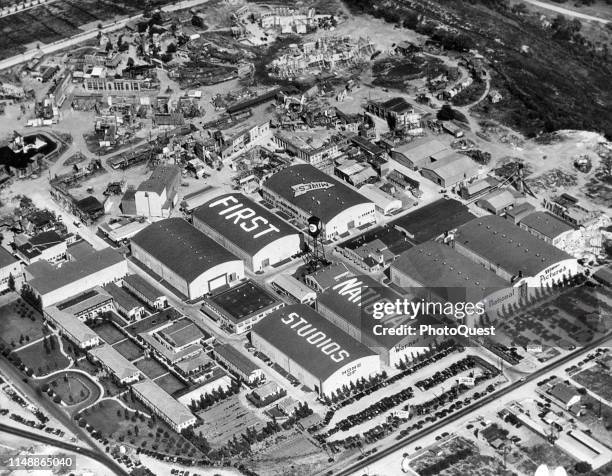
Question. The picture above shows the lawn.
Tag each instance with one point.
(170, 383)
(73, 388)
(597, 380)
(120, 425)
(109, 332)
(151, 367)
(43, 359)
(19, 319)
(128, 349)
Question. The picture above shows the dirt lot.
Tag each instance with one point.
(228, 418)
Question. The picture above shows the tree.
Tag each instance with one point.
(583, 467)
(11, 282)
(171, 48)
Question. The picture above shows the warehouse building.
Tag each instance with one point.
(125, 303)
(293, 288)
(549, 228)
(239, 308)
(349, 305)
(313, 350)
(91, 268)
(447, 276)
(303, 191)
(248, 230)
(515, 255)
(450, 170)
(184, 258)
(157, 196)
(174, 413)
(237, 363)
(384, 203)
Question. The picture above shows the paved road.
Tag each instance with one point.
(565, 11)
(96, 456)
(349, 470)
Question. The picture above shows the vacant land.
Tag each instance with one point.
(228, 418)
(151, 367)
(598, 380)
(109, 332)
(18, 319)
(128, 349)
(170, 383)
(44, 359)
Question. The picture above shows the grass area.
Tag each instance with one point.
(128, 349)
(73, 388)
(170, 383)
(151, 367)
(116, 423)
(597, 380)
(44, 359)
(18, 319)
(109, 332)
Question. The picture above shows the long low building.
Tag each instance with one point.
(312, 349)
(120, 368)
(514, 254)
(55, 283)
(303, 191)
(248, 230)
(448, 276)
(174, 413)
(238, 363)
(350, 303)
(185, 258)
(145, 291)
(71, 327)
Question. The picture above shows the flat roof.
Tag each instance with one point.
(506, 244)
(286, 339)
(84, 301)
(243, 222)
(244, 300)
(434, 219)
(435, 265)
(116, 362)
(351, 298)
(182, 248)
(182, 332)
(47, 278)
(313, 191)
(293, 286)
(546, 223)
(229, 353)
(175, 411)
(453, 166)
